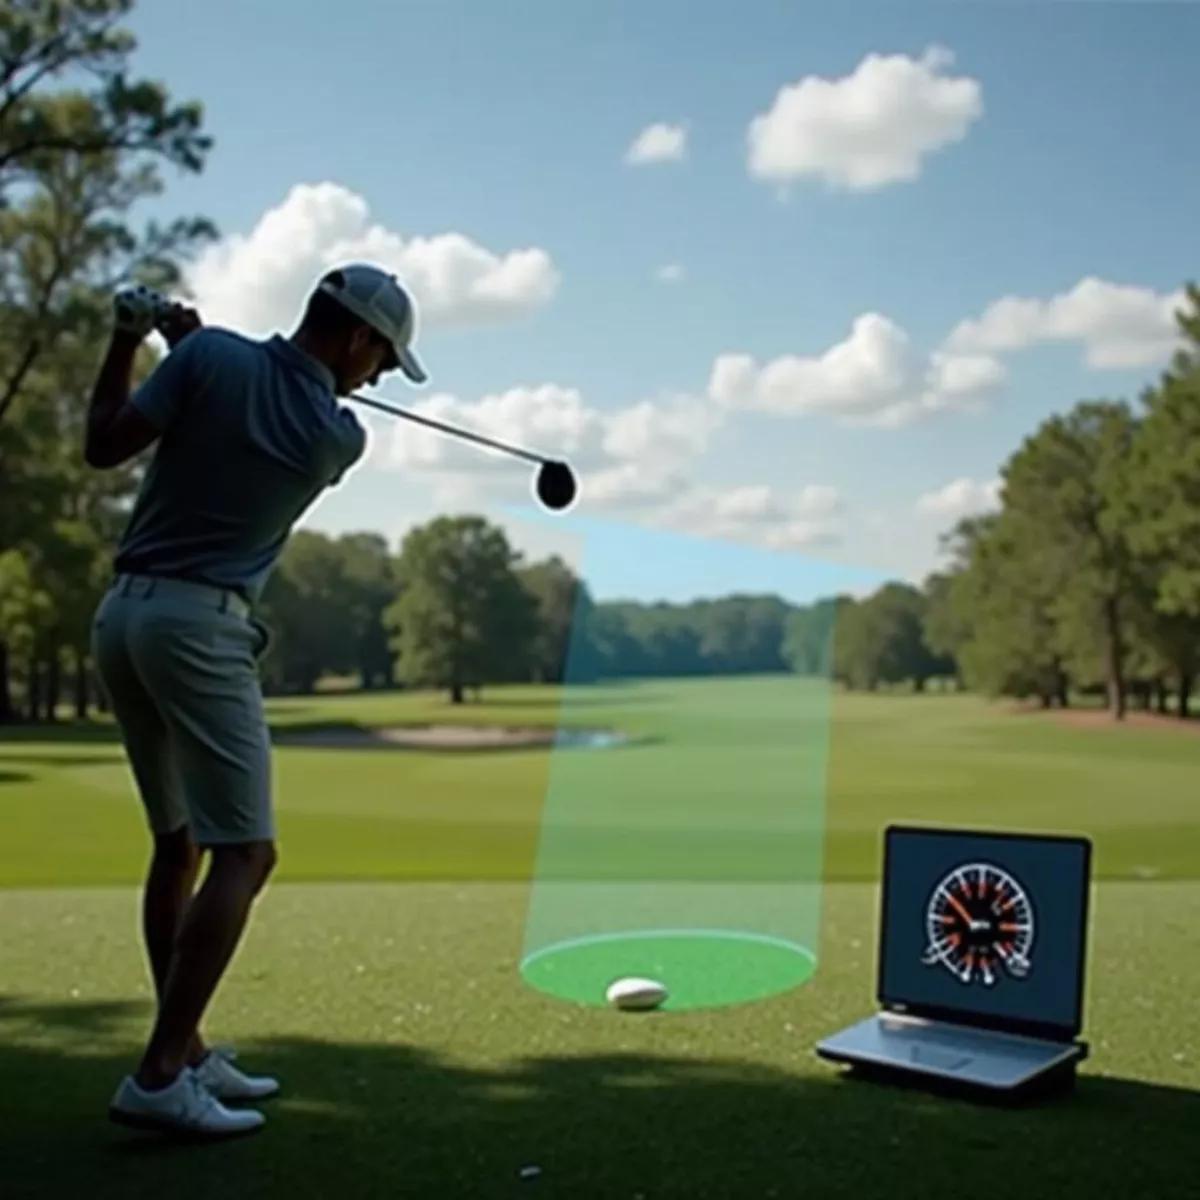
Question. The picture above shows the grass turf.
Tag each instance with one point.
(417, 1063)
(409, 815)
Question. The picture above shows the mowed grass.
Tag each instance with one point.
(417, 1064)
(716, 757)
(379, 977)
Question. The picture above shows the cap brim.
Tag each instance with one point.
(408, 362)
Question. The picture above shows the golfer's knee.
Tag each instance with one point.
(176, 850)
(252, 862)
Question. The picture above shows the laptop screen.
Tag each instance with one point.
(984, 925)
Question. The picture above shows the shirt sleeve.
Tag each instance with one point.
(346, 442)
(160, 398)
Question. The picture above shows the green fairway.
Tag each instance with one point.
(380, 976)
(67, 813)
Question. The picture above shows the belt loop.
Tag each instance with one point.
(150, 589)
(126, 584)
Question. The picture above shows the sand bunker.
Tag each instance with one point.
(453, 737)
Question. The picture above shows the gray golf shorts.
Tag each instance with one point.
(179, 663)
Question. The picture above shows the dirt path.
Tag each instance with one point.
(1096, 718)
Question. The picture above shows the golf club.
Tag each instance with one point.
(554, 483)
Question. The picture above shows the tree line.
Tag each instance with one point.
(1085, 579)
(77, 158)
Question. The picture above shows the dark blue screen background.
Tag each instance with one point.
(1054, 876)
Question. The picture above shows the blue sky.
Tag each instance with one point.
(508, 124)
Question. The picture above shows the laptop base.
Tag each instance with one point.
(980, 1065)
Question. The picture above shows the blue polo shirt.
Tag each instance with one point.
(252, 433)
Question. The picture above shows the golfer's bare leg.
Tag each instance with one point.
(170, 884)
(210, 933)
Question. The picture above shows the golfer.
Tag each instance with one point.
(249, 433)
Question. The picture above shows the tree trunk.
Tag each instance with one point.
(1161, 696)
(1062, 688)
(81, 688)
(8, 714)
(1185, 695)
(53, 686)
(33, 690)
(1115, 654)
(456, 692)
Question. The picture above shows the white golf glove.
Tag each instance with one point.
(138, 309)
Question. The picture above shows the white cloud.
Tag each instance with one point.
(671, 273)
(637, 461)
(658, 143)
(549, 420)
(876, 377)
(258, 282)
(960, 498)
(757, 514)
(865, 130)
(1118, 325)
(872, 377)
(631, 452)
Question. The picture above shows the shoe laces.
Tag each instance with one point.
(199, 1099)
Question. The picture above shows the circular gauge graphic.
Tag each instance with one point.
(979, 923)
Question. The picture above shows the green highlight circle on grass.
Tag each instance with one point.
(701, 968)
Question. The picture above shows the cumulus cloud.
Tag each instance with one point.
(638, 461)
(658, 143)
(961, 497)
(874, 376)
(257, 282)
(868, 129)
(547, 419)
(1118, 325)
(629, 455)
(757, 514)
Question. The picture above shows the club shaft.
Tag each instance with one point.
(452, 430)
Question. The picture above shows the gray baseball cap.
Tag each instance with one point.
(377, 297)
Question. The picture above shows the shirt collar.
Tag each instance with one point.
(289, 353)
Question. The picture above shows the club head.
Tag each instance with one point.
(555, 485)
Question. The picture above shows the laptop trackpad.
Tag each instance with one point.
(939, 1060)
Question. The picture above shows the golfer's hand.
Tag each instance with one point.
(177, 323)
(136, 311)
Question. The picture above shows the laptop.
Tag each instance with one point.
(981, 964)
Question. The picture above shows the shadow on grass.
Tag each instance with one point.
(97, 1018)
(14, 777)
(65, 761)
(74, 732)
(397, 1121)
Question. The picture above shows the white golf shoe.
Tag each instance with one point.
(225, 1081)
(186, 1107)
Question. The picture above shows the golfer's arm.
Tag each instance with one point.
(116, 431)
(346, 445)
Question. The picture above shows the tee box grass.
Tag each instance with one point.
(379, 976)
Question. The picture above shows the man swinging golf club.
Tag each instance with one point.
(249, 433)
